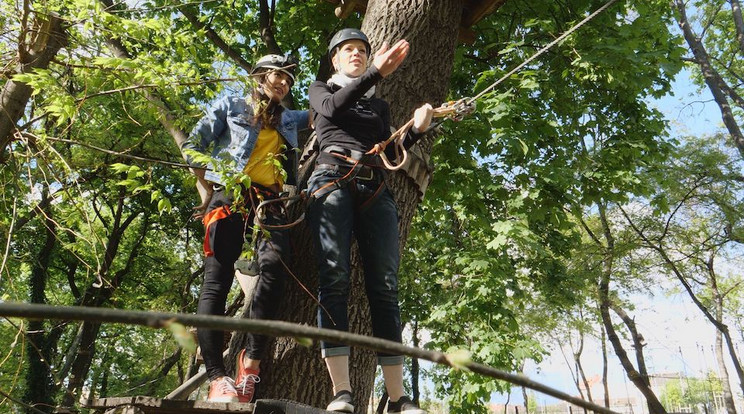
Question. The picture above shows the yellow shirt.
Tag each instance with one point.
(260, 166)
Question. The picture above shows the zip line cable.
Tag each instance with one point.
(541, 51)
(278, 328)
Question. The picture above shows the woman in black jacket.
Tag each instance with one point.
(350, 196)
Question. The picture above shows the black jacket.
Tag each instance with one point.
(344, 118)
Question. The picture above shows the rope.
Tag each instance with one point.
(455, 110)
(277, 328)
(458, 109)
(286, 201)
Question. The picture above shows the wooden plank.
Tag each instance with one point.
(285, 407)
(154, 405)
(151, 405)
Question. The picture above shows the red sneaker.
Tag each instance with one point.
(245, 380)
(222, 390)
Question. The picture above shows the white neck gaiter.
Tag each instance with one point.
(341, 79)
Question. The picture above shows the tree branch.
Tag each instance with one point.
(738, 23)
(265, 25)
(712, 78)
(215, 39)
(275, 328)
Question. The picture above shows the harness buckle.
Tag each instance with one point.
(365, 174)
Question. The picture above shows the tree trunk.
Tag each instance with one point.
(99, 295)
(728, 398)
(431, 28)
(603, 291)
(637, 344)
(415, 369)
(580, 369)
(738, 23)
(81, 364)
(48, 37)
(605, 385)
(634, 376)
(39, 349)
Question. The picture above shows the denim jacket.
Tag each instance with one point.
(227, 126)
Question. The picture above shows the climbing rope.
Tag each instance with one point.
(455, 110)
(542, 51)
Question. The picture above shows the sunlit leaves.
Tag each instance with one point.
(183, 336)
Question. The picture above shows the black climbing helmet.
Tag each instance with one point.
(344, 35)
(276, 62)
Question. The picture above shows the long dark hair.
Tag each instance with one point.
(266, 111)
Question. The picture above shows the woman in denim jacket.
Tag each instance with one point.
(349, 121)
(251, 133)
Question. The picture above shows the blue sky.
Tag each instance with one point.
(690, 110)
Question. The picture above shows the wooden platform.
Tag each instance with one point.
(148, 405)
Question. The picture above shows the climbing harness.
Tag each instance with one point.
(261, 201)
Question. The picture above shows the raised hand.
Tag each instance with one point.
(387, 59)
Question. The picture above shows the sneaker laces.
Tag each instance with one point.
(247, 383)
(225, 386)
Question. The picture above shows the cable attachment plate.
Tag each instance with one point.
(456, 110)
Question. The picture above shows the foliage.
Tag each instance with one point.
(496, 234)
(495, 256)
(697, 394)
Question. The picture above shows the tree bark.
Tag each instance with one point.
(712, 79)
(431, 28)
(637, 344)
(580, 369)
(415, 369)
(738, 23)
(728, 398)
(48, 37)
(605, 302)
(605, 385)
(40, 350)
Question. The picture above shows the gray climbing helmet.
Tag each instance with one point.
(344, 35)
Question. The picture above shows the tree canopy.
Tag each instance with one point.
(560, 194)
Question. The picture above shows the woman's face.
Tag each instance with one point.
(276, 85)
(351, 58)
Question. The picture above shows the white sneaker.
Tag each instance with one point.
(222, 390)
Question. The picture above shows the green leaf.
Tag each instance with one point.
(458, 358)
(183, 337)
(306, 342)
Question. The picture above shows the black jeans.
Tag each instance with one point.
(225, 240)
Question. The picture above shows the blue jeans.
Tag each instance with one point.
(365, 208)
